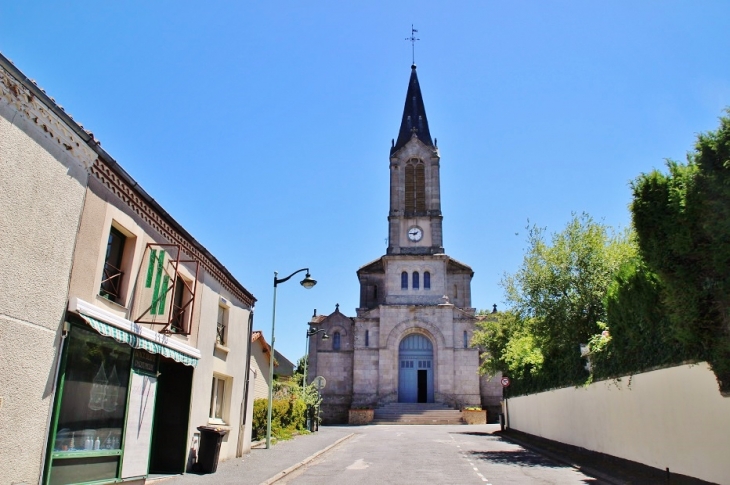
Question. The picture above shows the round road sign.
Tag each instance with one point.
(505, 381)
(319, 382)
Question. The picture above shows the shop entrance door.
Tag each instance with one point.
(168, 454)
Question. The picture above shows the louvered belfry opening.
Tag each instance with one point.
(415, 185)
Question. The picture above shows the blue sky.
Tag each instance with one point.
(264, 128)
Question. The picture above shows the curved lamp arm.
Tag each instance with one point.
(307, 282)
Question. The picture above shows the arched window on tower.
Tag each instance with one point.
(415, 185)
(426, 280)
(404, 281)
(416, 280)
(336, 341)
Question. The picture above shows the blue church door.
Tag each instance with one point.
(415, 369)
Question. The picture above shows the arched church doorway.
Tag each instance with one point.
(415, 369)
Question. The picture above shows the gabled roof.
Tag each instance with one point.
(414, 120)
(258, 335)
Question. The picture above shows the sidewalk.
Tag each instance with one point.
(261, 464)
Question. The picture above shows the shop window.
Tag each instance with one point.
(426, 280)
(93, 394)
(404, 281)
(416, 282)
(218, 400)
(336, 341)
(112, 274)
(221, 325)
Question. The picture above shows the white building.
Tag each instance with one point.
(120, 334)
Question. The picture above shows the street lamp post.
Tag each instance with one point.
(308, 283)
(311, 332)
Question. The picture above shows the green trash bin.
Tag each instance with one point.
(210, 448)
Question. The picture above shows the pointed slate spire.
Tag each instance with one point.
(414, 116)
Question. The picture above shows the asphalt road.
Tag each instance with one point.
(433, 455)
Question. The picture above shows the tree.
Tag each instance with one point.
(682, 220)
(556, 303)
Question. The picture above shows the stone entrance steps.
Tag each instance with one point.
(416, 413)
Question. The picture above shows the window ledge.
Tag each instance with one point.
(219, 423)
(222, 348)
(113, 303)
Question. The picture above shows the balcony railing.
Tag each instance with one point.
(111, 282)
(220, 336)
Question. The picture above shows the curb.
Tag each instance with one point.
(557, 458)
(284, 473)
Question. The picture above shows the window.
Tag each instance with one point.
(87, 425)
(336, 341)
(220, 335)
(180, 304)
(426, 280)
(415, 186)
(111, 279)
(218, 400)
(367, 338)
(466, 339)
(404, 281)
(416, 282)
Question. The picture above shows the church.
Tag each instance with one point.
(409, 341)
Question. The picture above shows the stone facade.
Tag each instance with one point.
(410, 338)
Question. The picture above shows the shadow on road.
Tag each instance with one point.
(522, 458)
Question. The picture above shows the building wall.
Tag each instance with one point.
(41, 195)
(260, 364)
(670, 418)
(226, 361)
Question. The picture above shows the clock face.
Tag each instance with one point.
(415, 233)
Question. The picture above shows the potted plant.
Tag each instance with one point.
(474, 415)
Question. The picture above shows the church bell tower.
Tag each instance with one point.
(414, 220)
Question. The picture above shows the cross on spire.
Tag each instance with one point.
(413, 40)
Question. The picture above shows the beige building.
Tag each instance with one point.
(410, 339)
(120, 334)
(260, 352)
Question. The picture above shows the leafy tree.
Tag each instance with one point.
(556, 303)
(682, 220)
(638, 335)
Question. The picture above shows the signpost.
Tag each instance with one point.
(505, 384)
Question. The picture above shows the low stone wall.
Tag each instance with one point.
(361, 416)
(334, 409)
(671, 418)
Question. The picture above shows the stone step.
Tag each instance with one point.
(417, 413)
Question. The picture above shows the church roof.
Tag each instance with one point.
(414, 116)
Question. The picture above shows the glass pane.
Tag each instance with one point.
(79, 470)
(220, 392)
(94, 397)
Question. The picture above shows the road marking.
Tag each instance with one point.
(358, 465)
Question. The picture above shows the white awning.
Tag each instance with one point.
(134, 335)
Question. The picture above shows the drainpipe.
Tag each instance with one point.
(246, 382)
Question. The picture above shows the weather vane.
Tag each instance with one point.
(413, 40)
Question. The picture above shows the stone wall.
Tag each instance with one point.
(42, 190)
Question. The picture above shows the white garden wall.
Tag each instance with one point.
(670, 418)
